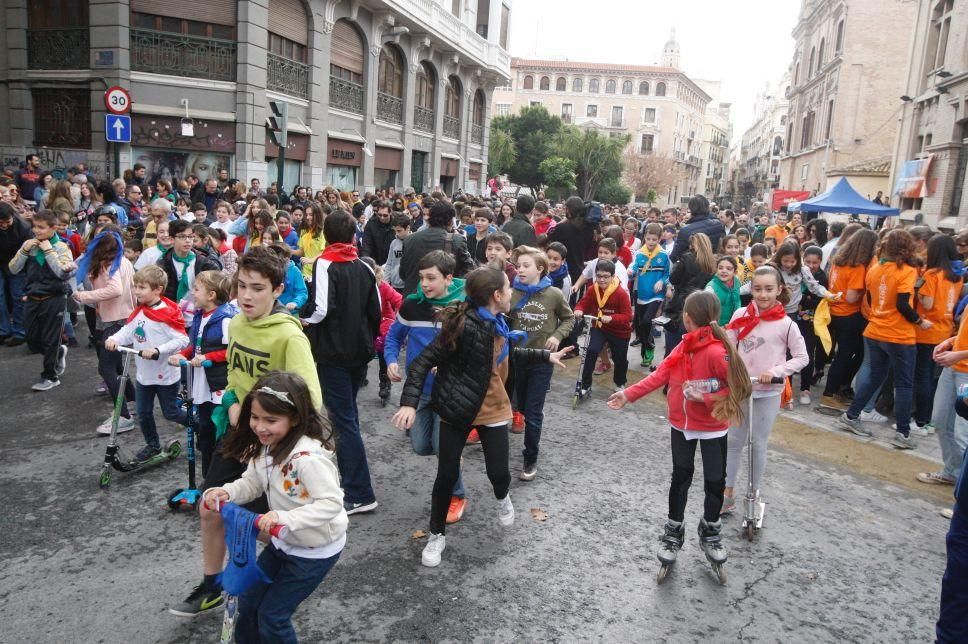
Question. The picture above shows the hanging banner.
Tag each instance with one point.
(783, 198)
(912, 180)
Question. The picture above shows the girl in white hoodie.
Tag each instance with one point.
(289, 448)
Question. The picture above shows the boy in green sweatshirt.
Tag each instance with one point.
(263, 337)
(542, 311)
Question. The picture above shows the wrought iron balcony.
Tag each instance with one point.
(451, 127)
(346, 95)
(477, 134)
(389, 108)
(423, 119)
(161, 52)
(287, 76)
(59, 48)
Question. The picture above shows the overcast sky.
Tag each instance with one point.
(743, 43)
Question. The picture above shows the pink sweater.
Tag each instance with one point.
(112, 296)
(765, 350)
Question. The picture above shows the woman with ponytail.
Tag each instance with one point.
(107, 277)
(471, 357)
(707, 384)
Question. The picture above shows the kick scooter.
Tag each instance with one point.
(753, 508)
(188, 497)
(580, 395)
(112, 455)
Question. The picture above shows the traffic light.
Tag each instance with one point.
(277, 123)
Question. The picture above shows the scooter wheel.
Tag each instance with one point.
(104, 480)
(173, 449)
(172, 503)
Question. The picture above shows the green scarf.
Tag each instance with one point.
(455, 293)
(183, 284)
(728, 299)
(39, 256)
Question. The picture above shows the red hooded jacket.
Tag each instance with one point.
(699, 356)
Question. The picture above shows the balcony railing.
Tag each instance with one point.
(287, 76)
(423, 119)
(451, 127)
(477, 134)
(389, 108)
(345, 95)
(161, 52)
(59, 48)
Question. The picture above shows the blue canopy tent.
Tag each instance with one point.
(843, 198)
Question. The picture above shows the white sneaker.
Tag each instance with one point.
(872, 417)
(804, 397)
(432, 551)
(505, 511)
(947, 513)
(124, 425)
(917, 430)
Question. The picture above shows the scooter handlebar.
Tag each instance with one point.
(279, 531)
(136, 352)
(775, 380)
(205, 363)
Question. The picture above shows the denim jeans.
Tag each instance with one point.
(340, 386)
(531, 383)
(848, 330)
(899, 358)
(864, 373)
(951, 428)
(265, 610)
(925, 380)
(425, 437)
(952, 625)
(673, 336)
(12, 320)
(144, 397)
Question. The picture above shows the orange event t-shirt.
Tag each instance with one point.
(884, 282)
(779, 233)
(961, 344)
(843, 279)
(942, 314)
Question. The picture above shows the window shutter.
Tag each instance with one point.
(288, 19)
(346, 50)
(216, 12)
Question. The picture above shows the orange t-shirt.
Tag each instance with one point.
(884, 282)
(843, 279)
(779, 233)
(961, 344)
(942, 314)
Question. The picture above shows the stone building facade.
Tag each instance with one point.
(847, 72)
(379, 92)
(762, 145)
(717, 132)
(931, 158)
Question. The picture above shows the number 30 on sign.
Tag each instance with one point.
(117, 100)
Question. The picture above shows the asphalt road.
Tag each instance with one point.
(843, 557)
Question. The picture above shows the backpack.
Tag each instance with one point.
(593, 213)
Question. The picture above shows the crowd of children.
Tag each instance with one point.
(279, 311)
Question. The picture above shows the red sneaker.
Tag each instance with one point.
(517, 424)
(456, 509)
(473, 438)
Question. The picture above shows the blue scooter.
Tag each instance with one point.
(189, 497)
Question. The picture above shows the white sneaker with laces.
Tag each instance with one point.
(872, 417)
(804, 397)
(124, 425)
(505, 511)
(432, 551)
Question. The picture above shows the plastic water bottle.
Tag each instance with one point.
(963, 391)
(705, 386)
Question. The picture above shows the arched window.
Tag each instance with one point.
(561, 84)
(529, 82)
(576, 85)
(288, 39)
(644, 88)
(820, 54)
(346, 89)
(452, 108)
(424, 98)
(627, 87)
(813, 60)
(610, 87)
(840, 37)
(390, 85)
(777, 146)
(479, 108)
(545, 83)
(660, 89)
(593, 86)
(796, 76)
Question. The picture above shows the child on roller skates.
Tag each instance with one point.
(289, 450)
(609, 303)
(417, 326)
(763, 335)
(208, 341)
(471, 356)
(156, 329)
(700, 414)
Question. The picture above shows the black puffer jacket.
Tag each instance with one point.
(462, 374)
(706, 224)
(686, 278)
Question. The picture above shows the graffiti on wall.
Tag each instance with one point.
(56, 161)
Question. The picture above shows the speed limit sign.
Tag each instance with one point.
(117, 100)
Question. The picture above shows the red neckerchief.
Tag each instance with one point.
(340, 252)
(692, 342)
(169, 314)
(750, 319)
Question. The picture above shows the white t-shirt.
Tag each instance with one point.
(149, 257)
(620, 272)
(223, 225)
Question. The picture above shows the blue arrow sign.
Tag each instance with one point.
(117, 128)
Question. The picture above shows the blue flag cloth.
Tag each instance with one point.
(240, 531)
(501, 328)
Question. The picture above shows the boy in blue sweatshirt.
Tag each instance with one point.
(416, 325)
(649, 276)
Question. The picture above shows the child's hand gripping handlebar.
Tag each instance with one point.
(774, 380)
(279, 531)
(187, 363)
